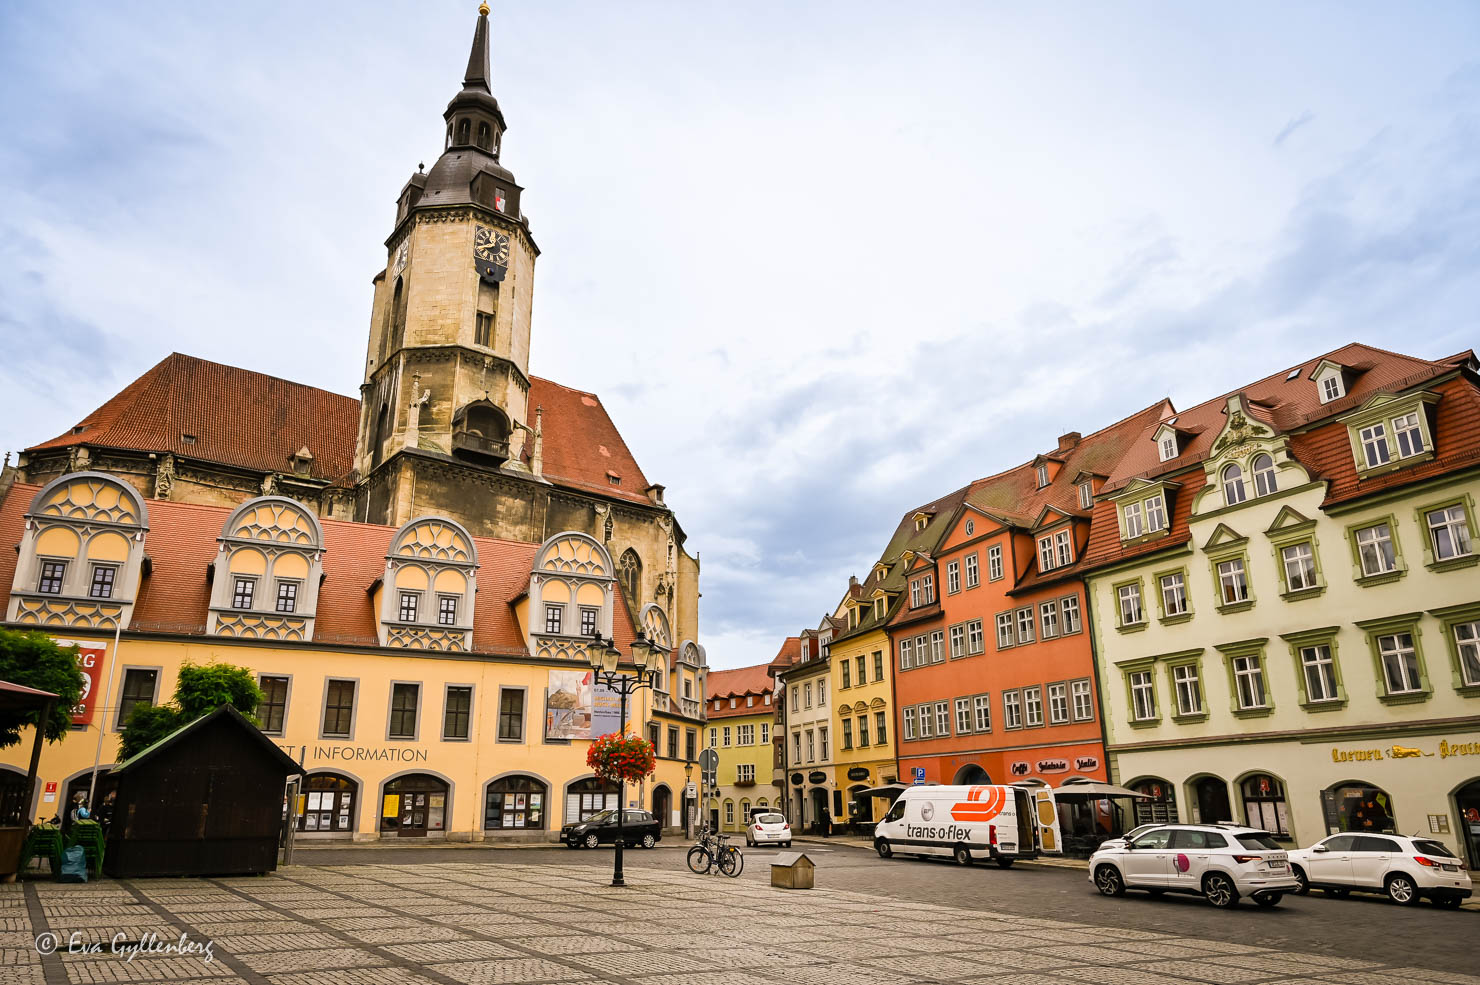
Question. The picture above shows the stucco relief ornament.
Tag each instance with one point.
(516, 444)
(270, 484)
(1239, 431)
(604, 514)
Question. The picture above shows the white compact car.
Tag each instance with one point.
(768, 829)
(1405, 869)
(1220, 862)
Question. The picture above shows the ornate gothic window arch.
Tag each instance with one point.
(629, 572)
(81, 554)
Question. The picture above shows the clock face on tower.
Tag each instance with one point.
(490, 253)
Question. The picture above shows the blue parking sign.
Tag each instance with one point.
(919, 772)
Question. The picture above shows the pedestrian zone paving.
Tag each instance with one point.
(469, 924)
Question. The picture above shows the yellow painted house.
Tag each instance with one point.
(863, 685)
(740, 718)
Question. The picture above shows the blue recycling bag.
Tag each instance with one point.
(74, 865)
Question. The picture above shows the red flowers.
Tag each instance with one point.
(622, 757)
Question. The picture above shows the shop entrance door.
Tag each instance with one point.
(1468, 801)
(1212, 800)
(327, 803)
(414, 806)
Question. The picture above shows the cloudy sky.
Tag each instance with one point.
(823, 261)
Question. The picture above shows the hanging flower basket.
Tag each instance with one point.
(622, 757)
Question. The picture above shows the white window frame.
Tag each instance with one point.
(1248, 677)
(1082, 699)
(1128, 599)
(1369, 540)
(1167, 447)
(1143, 696)
(1063, 545)
(1452, 520)
(1048, 618)
(1299, 561)
(1130, 520)
(1188, 686)
(981, 706)
(1233, 577)
(1069, 622)
(1025, 624)
(926, 721)
(1411, 673)
(1006, 631)
(973, 571)
(1033, 706)
(1332, 388)
(1173, 593)
(1045, 554)
(1086, 496)
(909, 723)
(1265, 481)
(906, 653)
(1058, 704)
(1374, 442)
(1156, 513)
(953, 577)
(1232, 481)
(994, 562)
(963, 716)
(958, 640)
(1408, 435)
(1318, 666)
(975, 638)
(1467, 647)
(1012, 710)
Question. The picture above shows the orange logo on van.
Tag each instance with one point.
(981, 804)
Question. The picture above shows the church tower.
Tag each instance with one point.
(447, 371)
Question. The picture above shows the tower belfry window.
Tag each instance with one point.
(463, 128)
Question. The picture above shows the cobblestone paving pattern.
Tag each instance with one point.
(553, 924)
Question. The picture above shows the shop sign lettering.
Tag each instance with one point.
(1447, 749)
(1020, 768)
(1355, 755)
(384, 754)
(1087, 763)
(1053, 766)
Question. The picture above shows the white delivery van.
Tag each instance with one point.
(1001, 823)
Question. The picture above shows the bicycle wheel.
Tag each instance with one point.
(699, 860)
(739, 865)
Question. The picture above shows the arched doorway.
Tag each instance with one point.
(1160, 803)
(1210, 793)
(1353, 805)
(514, 802)
(328, 803)
(1467, 799)
(663, 805)
(971, 774)
(15, 806)
(414, 805)
(820, 817)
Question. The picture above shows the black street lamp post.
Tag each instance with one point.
(604, 658)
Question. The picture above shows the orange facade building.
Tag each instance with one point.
(995, 677)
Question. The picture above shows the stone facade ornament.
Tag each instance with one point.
(419, 399)
(270, 484)
(164, 476)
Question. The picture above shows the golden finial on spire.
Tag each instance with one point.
(483, 9)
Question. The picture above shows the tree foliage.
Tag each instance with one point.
(199, 691)
(33, 659)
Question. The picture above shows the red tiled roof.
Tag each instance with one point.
(581, 445)
(181, 544)
(237, 417)
(790, 653)
(1288, 400)
(739, 682)
(255, 421)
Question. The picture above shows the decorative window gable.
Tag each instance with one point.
(1145, 509)
(431, 559)
(266, 573)
(81, 555)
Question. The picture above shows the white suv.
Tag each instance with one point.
(1220, 862)
(1406, 869)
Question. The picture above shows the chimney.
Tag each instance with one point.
(852, 581)
(1067, 441)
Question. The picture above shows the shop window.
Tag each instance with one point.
(1264, 804)
(414, 806)
(1160, 807)
(274, 707)
(138, 689)
(587, 797)
(1358, 807)
(327, 803)
(514, 802)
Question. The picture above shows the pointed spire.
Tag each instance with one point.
(477, 75)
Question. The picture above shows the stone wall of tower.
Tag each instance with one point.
(438, 352)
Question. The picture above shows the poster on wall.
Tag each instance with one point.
(90, 656)
(568, 705)
(606, 711)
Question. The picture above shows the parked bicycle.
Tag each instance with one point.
(714, 852)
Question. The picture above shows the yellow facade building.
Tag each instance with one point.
(414, 577)
(863, 685)
(740, 716)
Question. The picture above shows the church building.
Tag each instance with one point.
(415, 576)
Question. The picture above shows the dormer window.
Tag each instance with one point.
(1156, 514)
(1131, 514)
(1045, 554)
(920, 522)
(879, 608)
(1331, 388)
(1042, 476)
(1374, 444)
(1086, 496)
(1168, 447)
(1407, 435)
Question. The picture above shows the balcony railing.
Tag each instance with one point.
(660, 701)
(690, 707)
(470, 441)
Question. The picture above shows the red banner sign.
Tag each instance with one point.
(90, 661)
